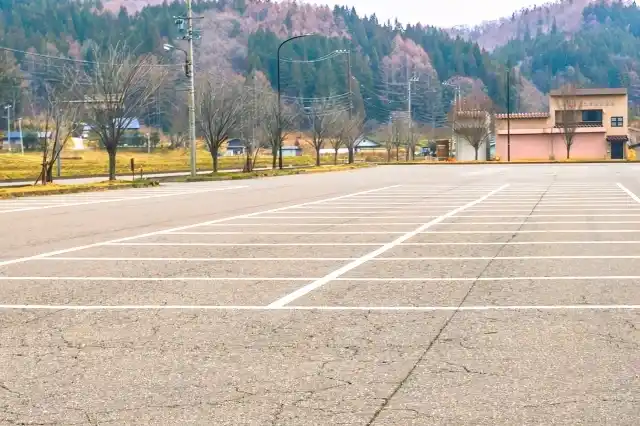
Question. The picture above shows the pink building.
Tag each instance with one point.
(598, 119)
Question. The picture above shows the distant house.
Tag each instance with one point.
(10, 141)
(291, 151)
(363, 144)
(132, 128)
(235, 147)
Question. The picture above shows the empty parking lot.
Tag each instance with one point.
(389, 296)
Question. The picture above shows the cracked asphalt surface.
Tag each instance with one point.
(156, 310)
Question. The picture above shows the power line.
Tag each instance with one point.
(80, 61)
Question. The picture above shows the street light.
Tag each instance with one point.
(188, 70)
(279, 97)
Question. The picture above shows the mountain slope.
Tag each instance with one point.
(240, 36)
(566, 15)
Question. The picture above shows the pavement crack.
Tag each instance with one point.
(433, 341)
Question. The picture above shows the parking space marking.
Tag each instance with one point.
(523, 243)
(360, 261)
(194, 259)
(54, 204)
(242, 244)
(287, 233)
(316, 308)
(181, 228)
(153, 279)
(537, 231)
(573, 222)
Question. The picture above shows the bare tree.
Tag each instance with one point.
(276, 125)
(353, 133)
(472, 121)
(113, 91)
(389, 140)
(399, 129)
(568, 115)
(337, 134)
(61, 122)
(178, 126)
(220, 111)
(323, 116)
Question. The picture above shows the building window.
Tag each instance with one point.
(592, 116)
(617, 121)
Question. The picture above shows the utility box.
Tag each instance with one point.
(442, 149)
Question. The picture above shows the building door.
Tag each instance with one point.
(617, 150)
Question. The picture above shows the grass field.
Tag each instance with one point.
(16, 166)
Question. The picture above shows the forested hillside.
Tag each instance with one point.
(599, 48)
(605, 52)
(241, 36)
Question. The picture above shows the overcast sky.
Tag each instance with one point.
(441, 13)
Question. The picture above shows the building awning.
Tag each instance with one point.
(622, 138)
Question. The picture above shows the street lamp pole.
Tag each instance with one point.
(279, 95)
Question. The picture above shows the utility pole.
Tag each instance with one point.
(8, 108)
(21, 138)
(349, 83)
(189, 35)
(413, 79)
(508, 114)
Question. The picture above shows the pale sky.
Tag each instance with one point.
(441, 13)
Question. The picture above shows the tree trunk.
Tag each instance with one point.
(350, 149)
(388, 155)
(335, 157)
(214, 157)
(568, 150)
(476, 149)
(317, 156)
(274, 157)
(50, 172)
(397, 153)
(112, 163)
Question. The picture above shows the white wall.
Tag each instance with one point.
(465, 152)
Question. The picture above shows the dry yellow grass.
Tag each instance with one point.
(16, 166)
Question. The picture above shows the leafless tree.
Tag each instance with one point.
(400, 129)
(116, 88)
(568, 115)
(276, 125)
(60, 122)
(473, 121)
(353, 132)
(389, 140)
(337, 136)
(179, 126)
(324, 116)
(219, 112)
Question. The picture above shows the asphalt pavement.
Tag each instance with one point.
(397, 295)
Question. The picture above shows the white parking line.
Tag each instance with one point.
(193, 259)
(358, 262)
(538, 231)
(573, 222)
(180, 228)
(288, 233)
(133, 279)
(520, 243)
(110, 200)
(241, 244)
(319, 308)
